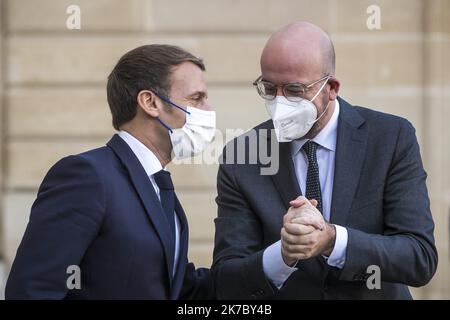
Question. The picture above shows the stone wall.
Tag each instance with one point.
(54, 100)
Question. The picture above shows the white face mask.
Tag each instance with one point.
(293, 120)
(196, 134)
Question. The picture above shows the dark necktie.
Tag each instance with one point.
(312, 178)
(167, 195)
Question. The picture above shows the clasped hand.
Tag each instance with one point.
(305, 233)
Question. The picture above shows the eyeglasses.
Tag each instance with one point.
(292, 91)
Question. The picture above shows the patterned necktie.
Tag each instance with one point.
(167, 195)
(312, 178)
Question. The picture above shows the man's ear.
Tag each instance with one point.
(149, 102)
(334, 87)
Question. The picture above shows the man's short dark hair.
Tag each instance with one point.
(145, 68)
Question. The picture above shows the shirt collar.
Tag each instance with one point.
(326, 138)
(145, 156)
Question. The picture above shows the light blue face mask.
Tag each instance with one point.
(195, 135)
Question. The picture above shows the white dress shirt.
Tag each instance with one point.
(151, 166)
(273, 264)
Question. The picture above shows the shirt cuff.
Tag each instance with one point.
(337, 256)
(274, 267)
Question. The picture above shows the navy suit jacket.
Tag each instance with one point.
(379, 195)
(98, 210)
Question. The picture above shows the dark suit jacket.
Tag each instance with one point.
(98, 210)
(379, 195)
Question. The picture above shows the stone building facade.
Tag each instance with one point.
(53, 97)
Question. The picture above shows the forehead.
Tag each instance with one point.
(277, 77)
(187, 78)
(286, 66)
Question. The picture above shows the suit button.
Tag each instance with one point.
(261, 291)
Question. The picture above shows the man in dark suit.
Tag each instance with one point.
(111, 214)
(363, 229)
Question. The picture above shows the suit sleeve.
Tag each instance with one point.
(238, 252)
(406, 252)
(197, 284)
(64, 219)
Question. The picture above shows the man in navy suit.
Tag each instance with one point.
(111, 214)
(367, 232)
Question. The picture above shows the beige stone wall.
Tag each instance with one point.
(2, 128)
(436, 143)
(55, 102)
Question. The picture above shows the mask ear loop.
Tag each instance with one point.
(173, 104)
(165, 125)
(321, 88)
(324, 111)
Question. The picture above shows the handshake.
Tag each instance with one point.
(305, 233)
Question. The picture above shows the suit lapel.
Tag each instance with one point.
(285, 179)
(148, 196)
(350, 153)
